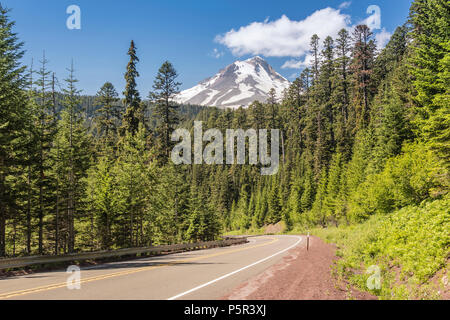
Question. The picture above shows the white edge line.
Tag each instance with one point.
(234, 272)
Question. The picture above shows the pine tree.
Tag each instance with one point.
(272, 111)
(327, 111)
(13, 102)
(74, 157)
(430, 66)
(314, 44)
(293, 208)
(317, 211)
(198, 228)
(308, 191)
(242, 210)
(178, 200)
(102, 188)
(132, 100)
(261, 207)
(391, 123)
(363, 55)
(109, 114)
(332, 189)
(55, 156)
(45, 127)
(294, 100)
(274, 203)
(256, 110)
(341, 96)
(392, 55)
(30, 156)
(132, 190)
(165, 88)
(220, 202)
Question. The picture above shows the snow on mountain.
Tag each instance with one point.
(239, 84)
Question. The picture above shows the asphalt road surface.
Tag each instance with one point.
(205, 275)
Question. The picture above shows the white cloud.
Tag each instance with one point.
(292, 64)
(298, 64)
(345, 5)
(216, 53)
(290, 38)
(284, 37)
(382, 38)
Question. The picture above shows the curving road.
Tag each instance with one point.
(205, 274)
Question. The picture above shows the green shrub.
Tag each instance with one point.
(407, 179)
(409, 246)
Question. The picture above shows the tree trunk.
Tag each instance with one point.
(14, 236)
(41, 215)
(29, 212)
(70, 214)
(2, 217)
(55, 118)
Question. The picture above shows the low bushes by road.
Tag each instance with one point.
(410, 246)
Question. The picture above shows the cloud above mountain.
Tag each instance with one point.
(283, 37)
(289, 38)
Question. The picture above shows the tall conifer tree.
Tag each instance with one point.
(13, 101)
(165, 88)
(132, 100)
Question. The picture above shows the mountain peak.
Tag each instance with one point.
(256, 58)
(238, 84)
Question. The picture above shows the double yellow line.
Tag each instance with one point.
(122, 273)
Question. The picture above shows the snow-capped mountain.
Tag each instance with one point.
(239, 84)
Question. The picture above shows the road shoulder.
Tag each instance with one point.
(301, 275)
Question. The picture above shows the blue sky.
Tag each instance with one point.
(199, 37)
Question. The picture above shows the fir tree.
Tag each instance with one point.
(132, 101)
(165, 88)
(333, 188)
(45, 127)
(74, 157)
(272, 114)
(274, 203)
(109, 114)
(341, 96)
(430, 66)
(314, 45)
(12, 124)
(363, 55)
(132, 189)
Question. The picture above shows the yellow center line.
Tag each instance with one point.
(121, 273)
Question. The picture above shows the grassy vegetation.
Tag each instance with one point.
(410, 246)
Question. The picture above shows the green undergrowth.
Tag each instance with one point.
(410, 246)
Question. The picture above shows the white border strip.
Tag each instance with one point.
(234, 272)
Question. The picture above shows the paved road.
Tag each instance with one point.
(205, 274)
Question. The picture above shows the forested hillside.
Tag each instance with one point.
(363, 134)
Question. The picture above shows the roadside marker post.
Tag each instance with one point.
(307, 242)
